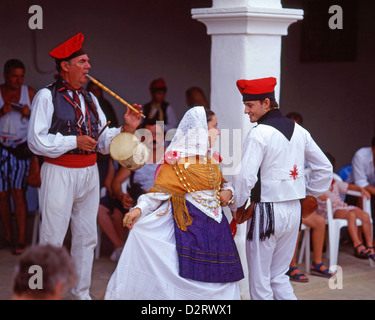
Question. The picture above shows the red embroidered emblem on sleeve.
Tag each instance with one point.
(294, 173)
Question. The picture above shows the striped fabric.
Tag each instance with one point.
(14, 171)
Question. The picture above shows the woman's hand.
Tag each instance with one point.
(225, 196)
(131, 217)
(365, 193)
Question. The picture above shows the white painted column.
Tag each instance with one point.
(246, 44)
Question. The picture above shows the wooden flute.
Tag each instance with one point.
(114, 95)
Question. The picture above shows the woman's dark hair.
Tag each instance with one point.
(295, 116)
(209, 114)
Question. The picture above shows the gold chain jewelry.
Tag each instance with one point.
(196, 178)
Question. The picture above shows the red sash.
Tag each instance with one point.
(73, 160)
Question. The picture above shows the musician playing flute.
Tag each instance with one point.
(64, 124)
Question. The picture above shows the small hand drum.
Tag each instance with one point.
(128, 151)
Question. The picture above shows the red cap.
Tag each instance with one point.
(257, 89)
(69, 49)
(158, 84)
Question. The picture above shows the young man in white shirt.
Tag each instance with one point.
(272, 171)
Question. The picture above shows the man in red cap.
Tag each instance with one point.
(64, 124)
(274, 156)
(158, 109)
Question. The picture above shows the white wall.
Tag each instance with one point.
(336, 99)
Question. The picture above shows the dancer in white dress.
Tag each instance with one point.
(181, 245)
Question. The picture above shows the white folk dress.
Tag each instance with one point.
(149, 264)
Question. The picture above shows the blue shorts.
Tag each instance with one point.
(13, 171)
(111, 203)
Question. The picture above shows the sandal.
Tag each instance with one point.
(362, 254)
(371, 256)
(315, 270)
(297, 276)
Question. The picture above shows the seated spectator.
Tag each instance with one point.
(342, 210)
(118, 201)
(142, 180)
(158, 108)
(54, 266)
(196, 97)
(363, 173)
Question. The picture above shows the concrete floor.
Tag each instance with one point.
(358, 277)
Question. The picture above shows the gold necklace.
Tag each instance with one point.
(214, 184)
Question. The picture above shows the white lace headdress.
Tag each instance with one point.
(191, 137)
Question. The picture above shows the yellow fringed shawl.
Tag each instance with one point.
(170, 183)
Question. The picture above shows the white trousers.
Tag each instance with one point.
(71, 195)
(269, 260)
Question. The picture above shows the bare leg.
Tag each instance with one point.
(352, 226)
(293, 264)
(20, 211)
(122, 232)
(366, 225)
(106, 223)
(318, 225)
(6, 214)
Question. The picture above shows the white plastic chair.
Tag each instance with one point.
(335, 225)
(305, 247)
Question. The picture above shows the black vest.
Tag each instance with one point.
(147, 107)
(64, 118)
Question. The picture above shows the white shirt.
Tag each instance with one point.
(54, 145)
(363, 172)
(282, 165)
(13, 125)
